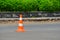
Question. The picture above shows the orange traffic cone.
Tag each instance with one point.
(20, 26)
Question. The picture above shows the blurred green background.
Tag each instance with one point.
(30, 5)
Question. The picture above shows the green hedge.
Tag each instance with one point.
(29, 5)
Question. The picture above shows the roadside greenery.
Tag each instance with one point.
(29, 5)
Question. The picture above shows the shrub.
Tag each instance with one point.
(29, 5)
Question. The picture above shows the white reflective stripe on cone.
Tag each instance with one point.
(20, 18)
(20, 24)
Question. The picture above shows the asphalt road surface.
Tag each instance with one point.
(34, 31)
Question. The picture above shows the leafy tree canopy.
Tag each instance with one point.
(29, 5)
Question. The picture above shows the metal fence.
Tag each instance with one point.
(29, 14)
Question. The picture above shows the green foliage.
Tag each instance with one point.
(29, 5)
(49, 5)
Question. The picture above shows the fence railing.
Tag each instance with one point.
(29, 14)
(40, 18)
